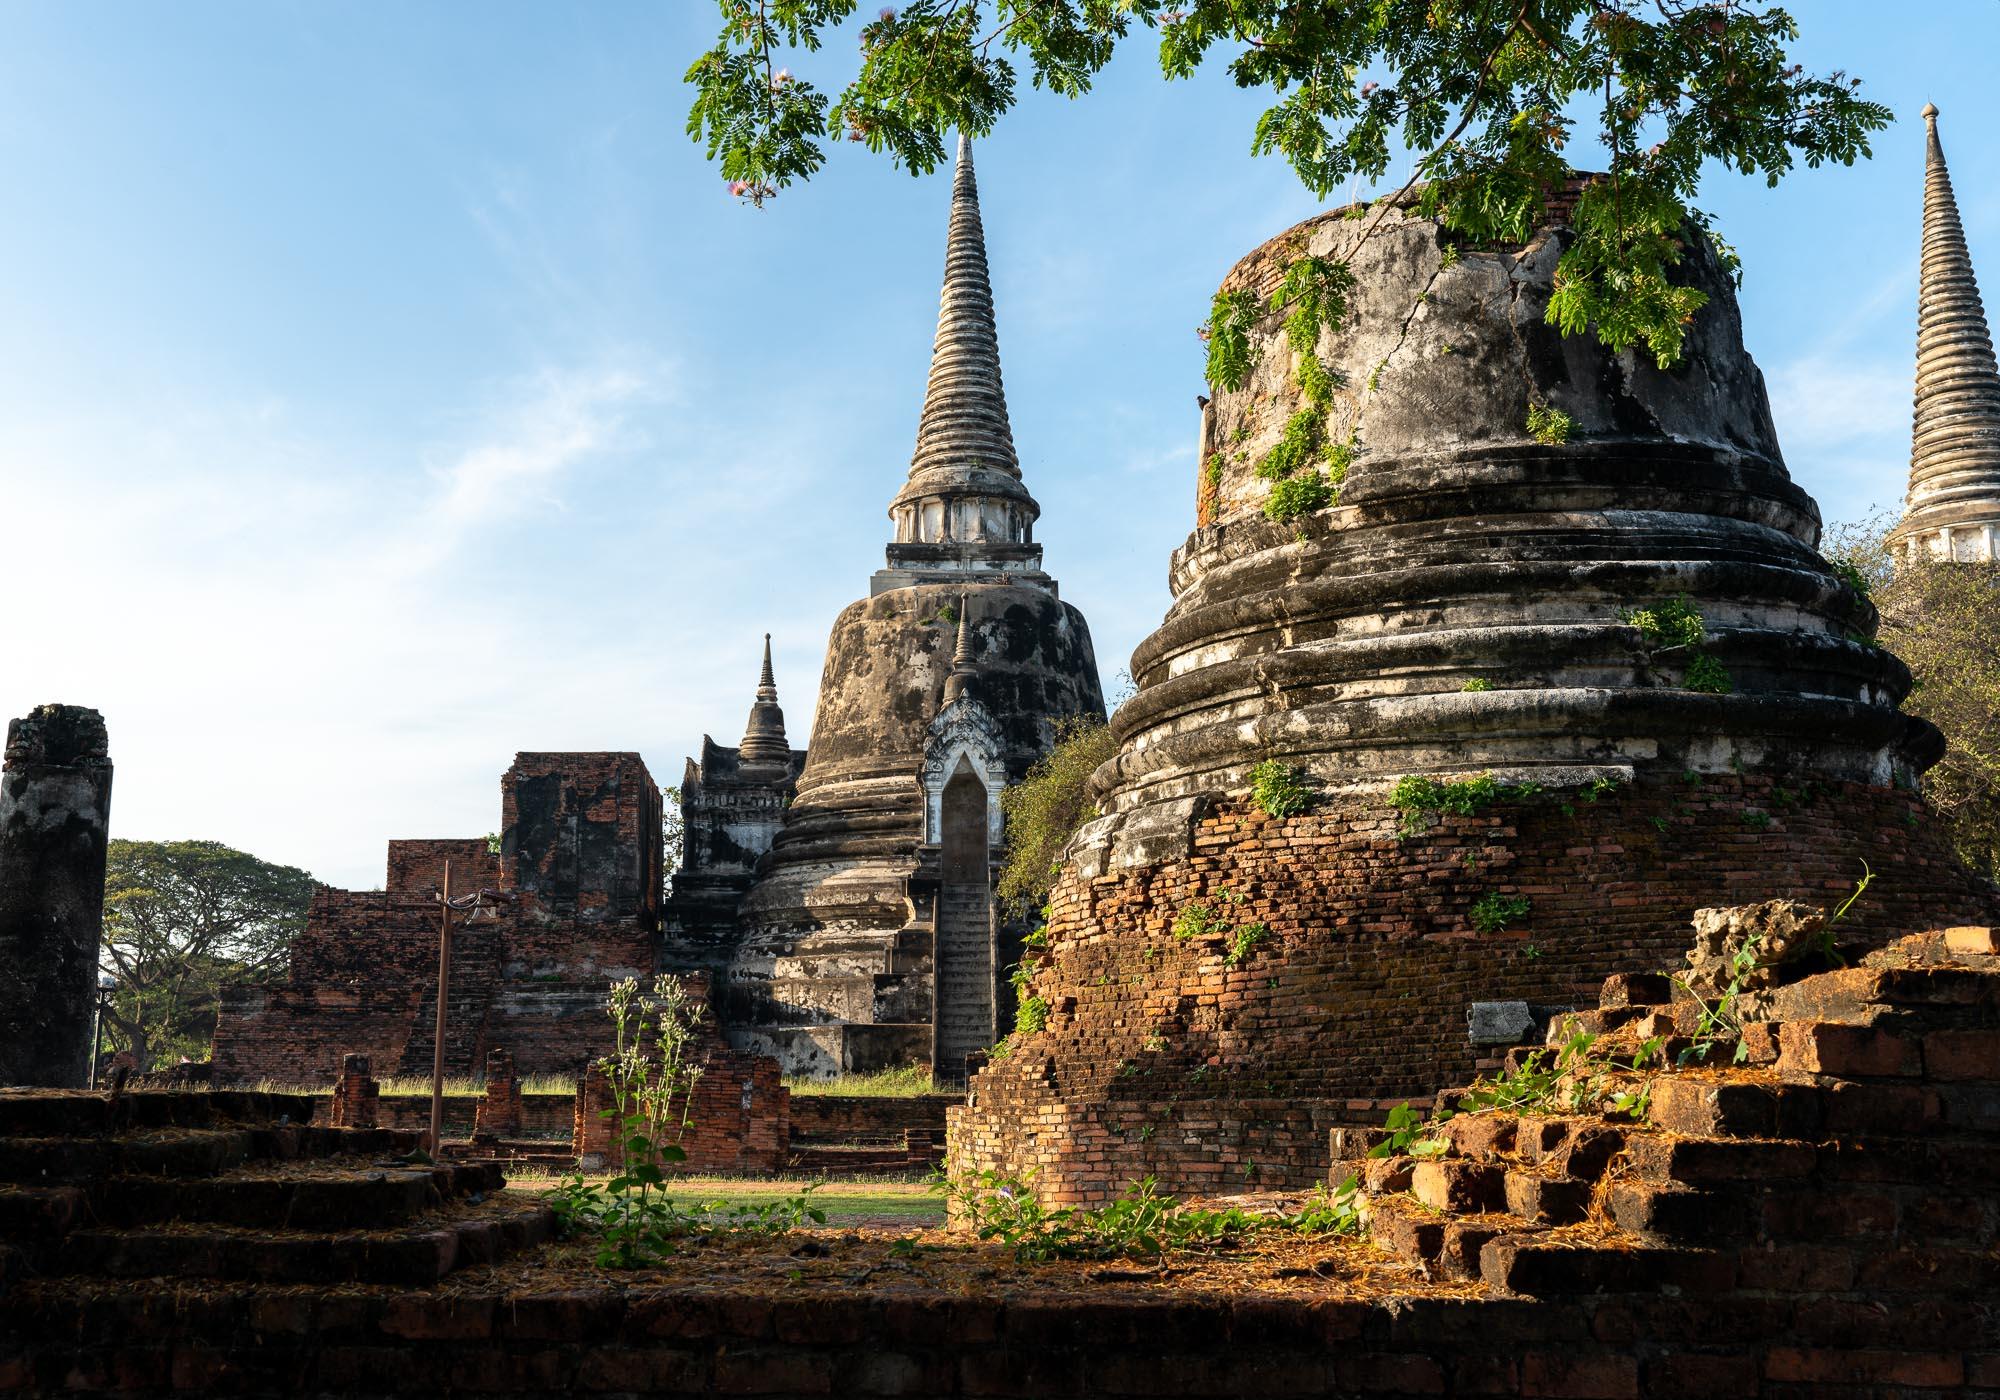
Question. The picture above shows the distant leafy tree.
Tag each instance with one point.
(1489, 94)
(183, 921)
(1045, 809)
(673, 830)
(1943, 620)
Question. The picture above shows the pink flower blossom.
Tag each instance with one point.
(1367, 88)
(887, 14)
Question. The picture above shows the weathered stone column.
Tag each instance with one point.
(55, 812)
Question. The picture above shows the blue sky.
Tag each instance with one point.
(387, 388)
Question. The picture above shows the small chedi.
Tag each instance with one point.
(1493, 655)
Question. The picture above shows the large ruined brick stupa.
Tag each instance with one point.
(1223, 984)
(868, 934)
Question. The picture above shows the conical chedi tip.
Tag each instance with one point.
(764, 736)
(963, 507)
(1954, 500)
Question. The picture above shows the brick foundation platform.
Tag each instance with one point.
(1818, 1221)
(1163, 1057)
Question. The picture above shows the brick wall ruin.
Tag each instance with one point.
(738, 1119)
(417, 867)
(580, 859)
(1163, 1058)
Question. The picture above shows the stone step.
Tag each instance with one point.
(415, 1256)
(80, 1113)
(1546, 1265)
(1703, 1107)
(1456, 1186)
(1669, 1214)
(1450, 1244)
(170, 1152)
(361, 1198)
(1546, 1199)
(34, 1215)
(1705, 1162)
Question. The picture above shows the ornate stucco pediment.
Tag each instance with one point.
(963, 734)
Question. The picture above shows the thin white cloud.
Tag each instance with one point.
(539, 429)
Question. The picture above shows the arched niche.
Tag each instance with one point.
(963, 735)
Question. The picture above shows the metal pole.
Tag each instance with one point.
(96, 1038)
(444, 990)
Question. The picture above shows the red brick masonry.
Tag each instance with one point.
(1160, 1058)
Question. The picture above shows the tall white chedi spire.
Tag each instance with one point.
(963, 514)
(1953, 509)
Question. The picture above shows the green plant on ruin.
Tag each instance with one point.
(1211, 471)
(1494, 912)
(1677, 624)
(1297, 496)
(1548, 425)
(1849, 572)
(1330, 1211)
(1721, 1020)
(1197, 920)
(1706, 675)
(1405, 1134)
(1674, 623)
(1305, 470)
(1044, 810)
(1756, 819)
(1280, 789)
(1242, 942)
(1597, 789)
(652, 1072)
(1421, 799)
(1141, 1224)
(1476, 686)
(1031, 1015)
(1231, 318)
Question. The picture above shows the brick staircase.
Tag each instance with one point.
(963, 969)
(239, 1186)
(1855, 1147)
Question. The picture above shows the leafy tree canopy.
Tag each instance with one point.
(1943, 620)
(1490, 95)
(184, 920)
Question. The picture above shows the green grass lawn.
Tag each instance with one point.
(903, 1083)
